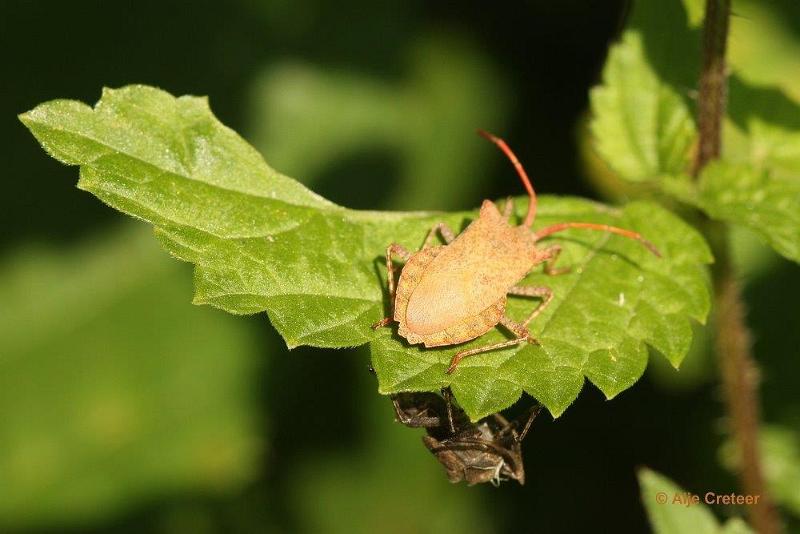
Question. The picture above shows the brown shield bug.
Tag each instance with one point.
(456, 292)
(487, 451)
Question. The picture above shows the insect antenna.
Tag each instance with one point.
(520, 170)
(544, 232)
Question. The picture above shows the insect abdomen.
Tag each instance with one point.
(409, 279)
(469, 328)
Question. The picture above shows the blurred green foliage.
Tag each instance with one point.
(780, 449)
(351, 494)
(307, 120)
(321, 410)
(112, 389)
(671, 512)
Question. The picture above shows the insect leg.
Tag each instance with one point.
(448, 399)
(503, 423)
(507, 427)
(392, 250)
(421, 419)
(549, 256)
(464, 353)
(545, 293)
(516, 328)
(534, 412)
(444, 230)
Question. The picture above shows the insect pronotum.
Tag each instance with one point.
(456, 292)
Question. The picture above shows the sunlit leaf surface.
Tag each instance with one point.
(262, 242)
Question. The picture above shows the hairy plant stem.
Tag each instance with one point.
(738, 370)
(713, 82)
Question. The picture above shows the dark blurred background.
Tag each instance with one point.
(125, 409)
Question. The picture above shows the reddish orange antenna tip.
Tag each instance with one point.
(520, 171)
(651, 247)
(490, 136)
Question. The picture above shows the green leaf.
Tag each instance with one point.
(743, 195)
(763, 45)
(616, 299)
(668, 512)
(263, 242)
(642, 118)
(644, 128)
(695, 11)
(114, 390)
(763, 129)
(641, 125)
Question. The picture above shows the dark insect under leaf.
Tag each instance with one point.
(487, 451)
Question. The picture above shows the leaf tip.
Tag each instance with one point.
(610, 391)
(29, 118)
(25, 118)
(644, 474)
(676, 362)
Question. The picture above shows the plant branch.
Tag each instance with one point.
(740, 377)
(713, 82)
(738, 370)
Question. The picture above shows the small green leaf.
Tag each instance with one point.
(115, 391)
(642, 127)
(769, 205)
(668, 512)
(262, 242)
(764, 46)
(763, 129)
